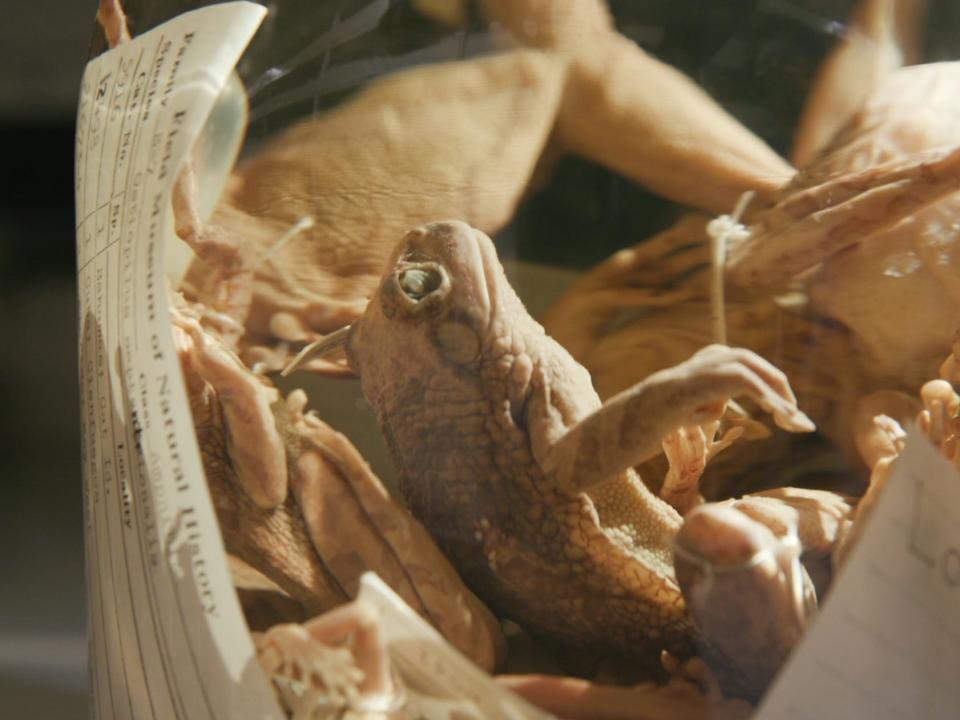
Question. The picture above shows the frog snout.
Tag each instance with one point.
(438, 239)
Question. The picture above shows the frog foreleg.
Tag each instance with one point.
(688, 449)
(627, 430)
(810, 226)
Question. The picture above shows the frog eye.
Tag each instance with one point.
(417, 283)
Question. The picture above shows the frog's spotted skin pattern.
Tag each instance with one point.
(477, 403)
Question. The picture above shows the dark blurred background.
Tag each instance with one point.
(43, 48)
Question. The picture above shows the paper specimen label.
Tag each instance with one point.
(167, 637)
(887, 643)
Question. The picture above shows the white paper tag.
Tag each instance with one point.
(886, 645)
(167, 637)
(439, 678)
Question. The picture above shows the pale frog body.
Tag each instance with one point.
(509, 458)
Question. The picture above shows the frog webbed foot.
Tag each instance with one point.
(334, 663)
(257, 452)
(689, 449)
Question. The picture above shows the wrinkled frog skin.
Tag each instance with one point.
(508, 457)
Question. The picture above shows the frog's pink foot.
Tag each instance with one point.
(688, 450)
(334, 663)
(686, 453)
(258, 455)
(881, 437)
(113, 20)
(231, 281)
(940, 419)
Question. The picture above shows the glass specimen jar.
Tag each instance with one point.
(592, 328)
